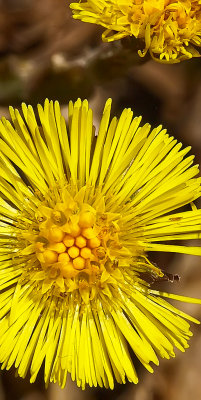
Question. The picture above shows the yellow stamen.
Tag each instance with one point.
(68, 240)
(88, 233)
(58, 247)
(86, 219)
(75, 230)
(93, 243)
(80, 242)
(79, 263)
(73, 252)
(56, 235)
(85, 252)
(63, 257)
(68, 271)
(40, 246)
(50, 256)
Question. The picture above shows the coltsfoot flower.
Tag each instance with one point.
(78, 213)
(170, 29)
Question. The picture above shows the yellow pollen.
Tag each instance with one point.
(73, 252)
(50, 256)
(75, 230)
(79, 263)
(85, 253)
(88, 233)
(86, 219)
(68, 240)
(80, 242)
(56, 235)
(64, 257)
(93, 243)
(58, 247)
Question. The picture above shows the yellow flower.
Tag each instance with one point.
(169, 28)
(78, 213)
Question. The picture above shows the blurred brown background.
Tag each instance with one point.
(45, 53)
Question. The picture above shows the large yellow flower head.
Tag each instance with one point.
(169, 28)
(78, 213)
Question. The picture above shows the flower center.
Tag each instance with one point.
(72, 247)
(75, 245)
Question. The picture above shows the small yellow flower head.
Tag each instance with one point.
(169, 28)
(78, 213)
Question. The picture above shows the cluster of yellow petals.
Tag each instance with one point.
(78, 213)
(169, 28)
